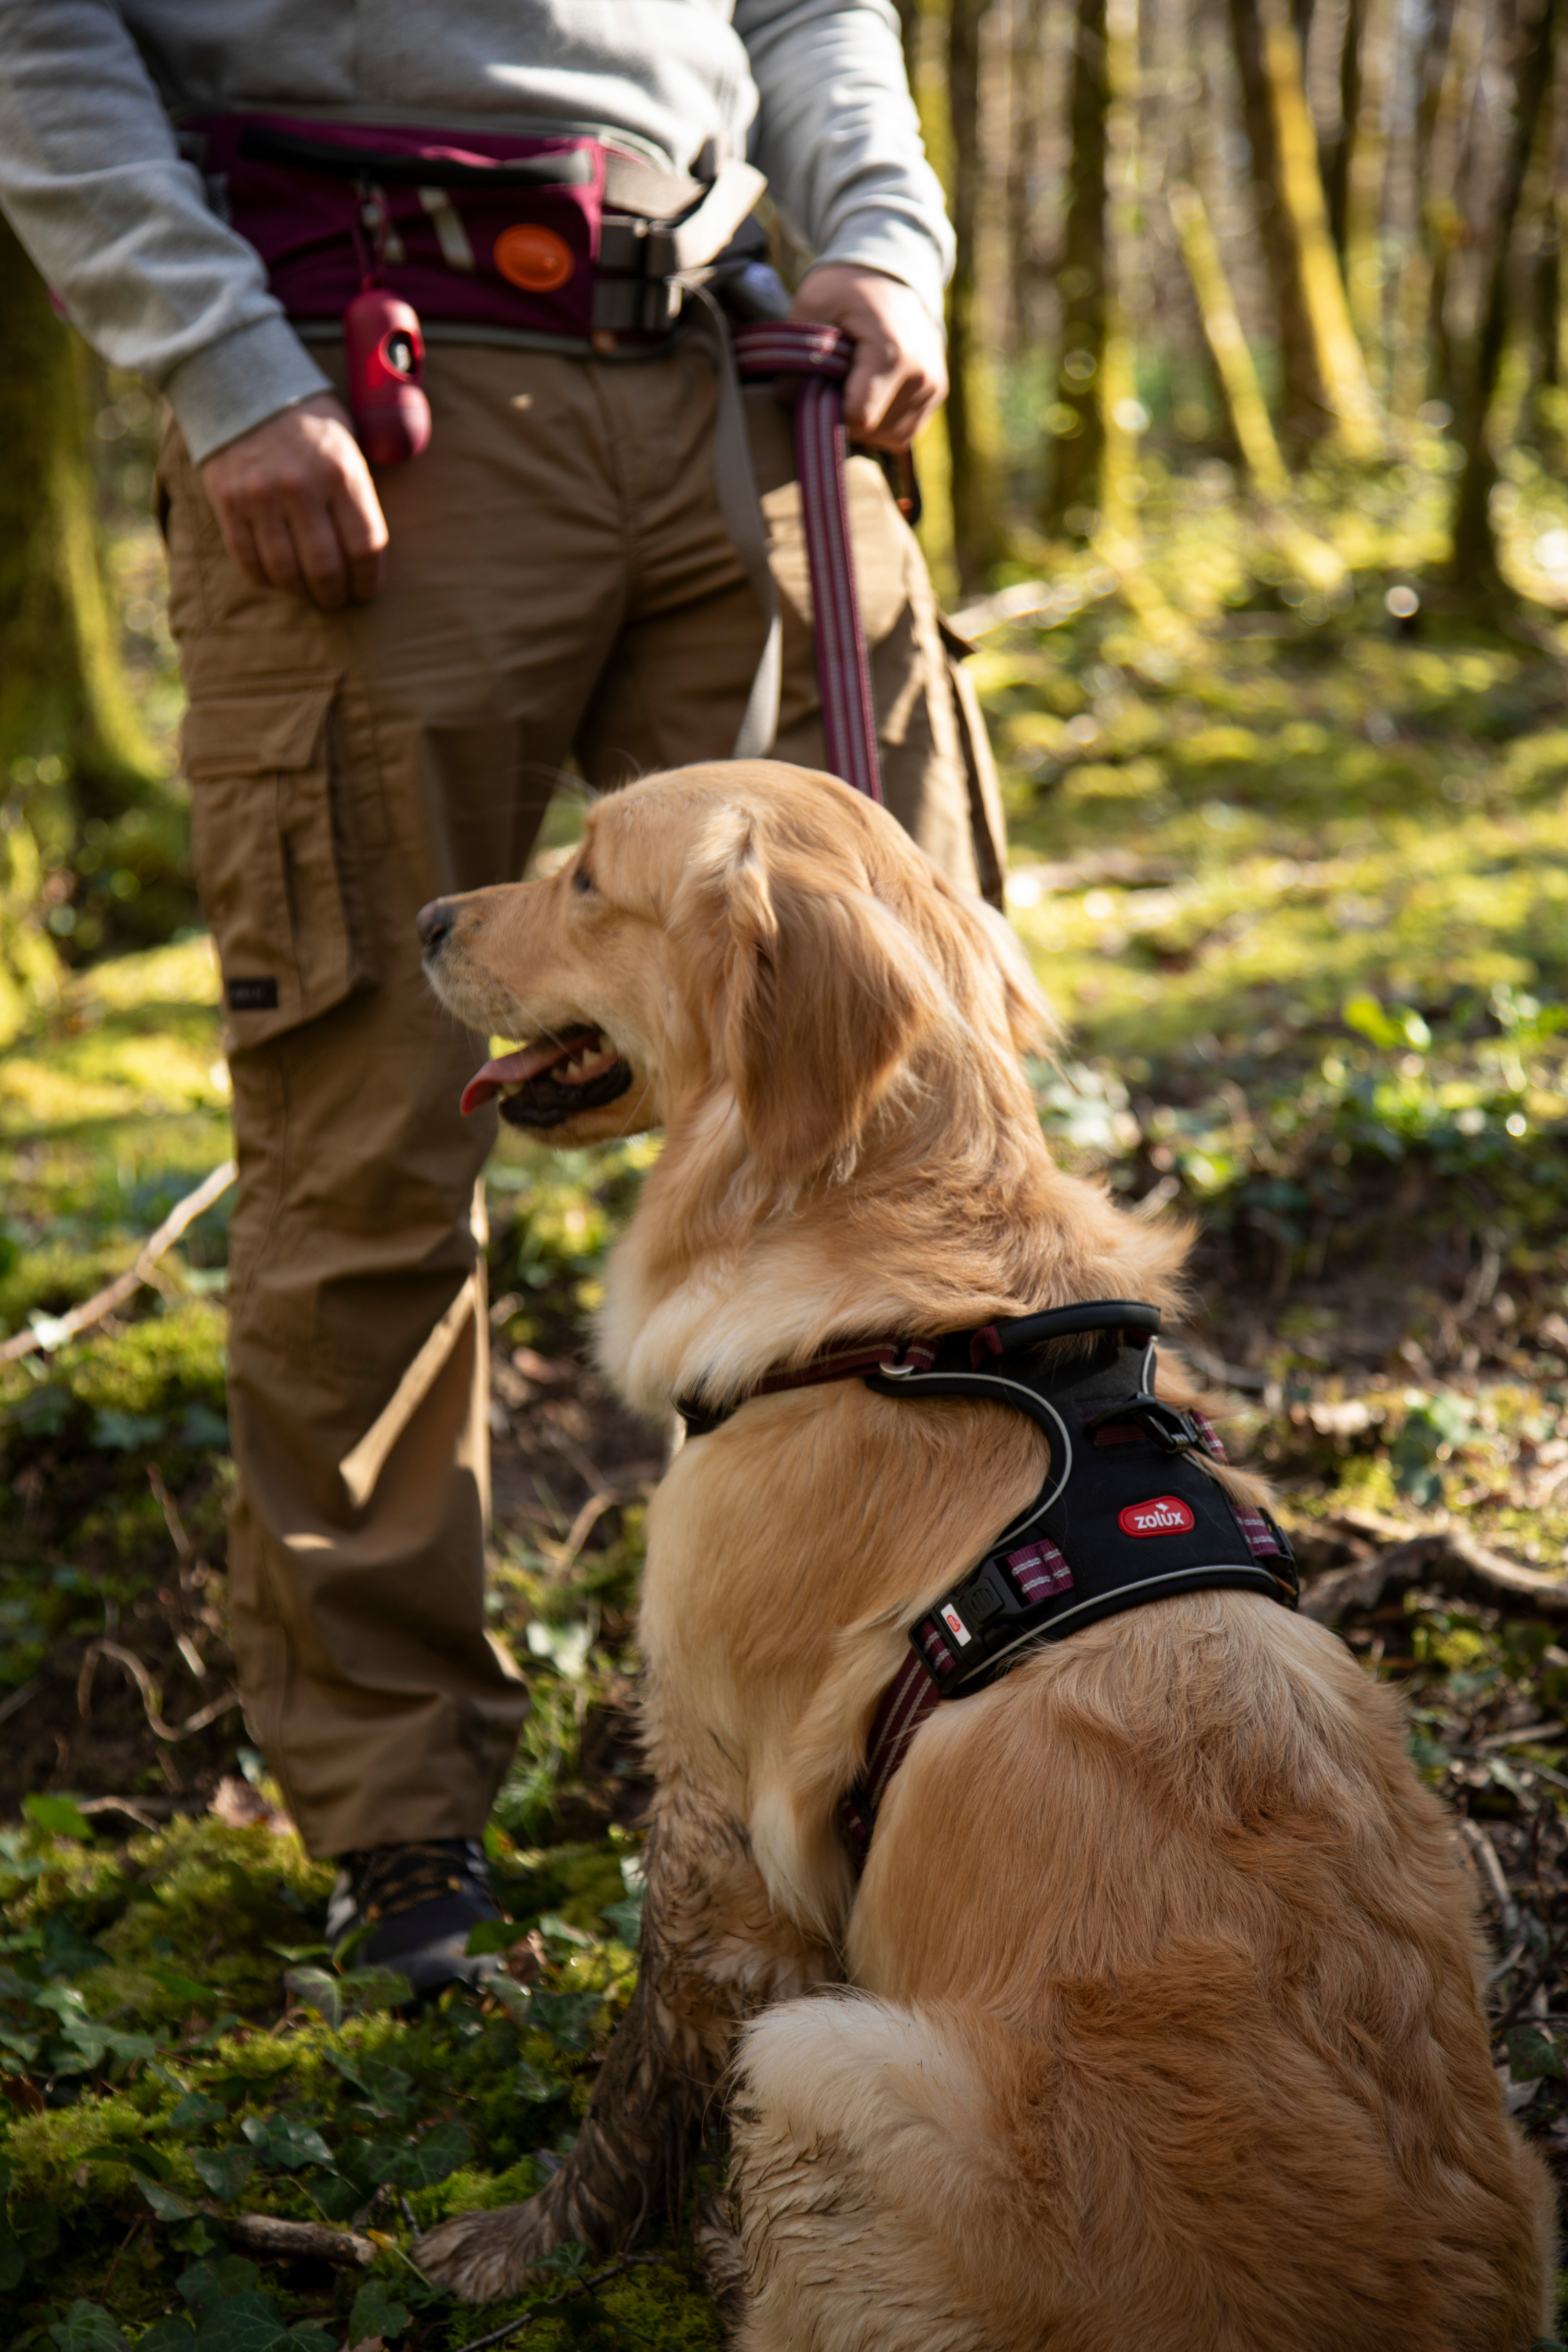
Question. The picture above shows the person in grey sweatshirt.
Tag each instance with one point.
(388, 666)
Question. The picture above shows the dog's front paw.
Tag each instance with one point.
(482, 2255)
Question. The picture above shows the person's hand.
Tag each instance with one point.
(899, 380)
(297, 507)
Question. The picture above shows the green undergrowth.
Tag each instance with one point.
(1295, 881)
(182, 2048)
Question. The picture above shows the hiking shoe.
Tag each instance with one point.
(419, 1901)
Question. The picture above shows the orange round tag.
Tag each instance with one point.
(534, 258)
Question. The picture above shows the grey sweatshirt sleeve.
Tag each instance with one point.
(839, 139)
(92, 181)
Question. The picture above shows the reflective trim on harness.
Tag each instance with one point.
(1130, 1518)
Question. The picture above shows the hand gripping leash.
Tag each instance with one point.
(821, 357)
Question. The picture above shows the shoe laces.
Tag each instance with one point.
(384, 1881)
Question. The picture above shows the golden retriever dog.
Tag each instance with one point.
(1155, 2018)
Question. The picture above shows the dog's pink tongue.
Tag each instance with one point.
(512, 1070)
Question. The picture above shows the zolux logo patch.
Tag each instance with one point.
(1162, 1514)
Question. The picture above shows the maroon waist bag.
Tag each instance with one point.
(473, 229)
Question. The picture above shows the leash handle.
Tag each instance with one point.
(821, 357)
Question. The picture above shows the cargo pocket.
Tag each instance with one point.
(273, 856)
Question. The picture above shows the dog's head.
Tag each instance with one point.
(749, 939)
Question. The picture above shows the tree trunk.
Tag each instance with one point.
(1474, 569)
(1222, 329)
(69, 740)
(1337, 176)
(1077, 420)
(1305, 415)
(1448, 158)
(978, 538)
(62, 695)
(1026, 78)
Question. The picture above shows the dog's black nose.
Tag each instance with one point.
(433, 923)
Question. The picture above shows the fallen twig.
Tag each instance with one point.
(152, 1693)
(574, 2287)
(290, 2239)
(103, 1302)
(143, 1818)
(1489, 1863)
(1458, 1568)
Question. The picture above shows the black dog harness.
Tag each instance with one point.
(1126, 1514)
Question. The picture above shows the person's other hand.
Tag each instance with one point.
(297, 507)
(899, 380)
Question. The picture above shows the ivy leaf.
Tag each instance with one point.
(61, 1816)
(207, 2283)
(226, 2170)
(36, 2228)
(125, 1432)
(493, 1936)
(515, 1999)
(625, 1918)
(365, 1990)
(278, 2139)
(165, 2204)
(1532, 2052)
(195, 2110)
(565, 2016)
(170, 2333)
(248, 2322)
(67, 1951)
(183, 1988)
(341, 2196)
(414, 2164)
(133, 2152)
(530, 2084)
(88, 2328)
(438, 2153)
(315, 1989)
(388, 2089)
(375, 2313)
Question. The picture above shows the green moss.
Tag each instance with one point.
(164, 1359)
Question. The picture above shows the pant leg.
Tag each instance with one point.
(345, 768)
(676, 684)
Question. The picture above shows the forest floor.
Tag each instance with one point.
(1295, 871)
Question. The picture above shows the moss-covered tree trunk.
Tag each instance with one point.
(1305, 414)
(77, 773)
(979, 536)
(62, 694)
(1475, 572)
(1338, 162)
(1077, 440)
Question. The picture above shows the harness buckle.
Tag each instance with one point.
(1173, 1431)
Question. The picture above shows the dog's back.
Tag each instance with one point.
(1170, 2031)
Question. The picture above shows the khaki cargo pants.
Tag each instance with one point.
(560, 581)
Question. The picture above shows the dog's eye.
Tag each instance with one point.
(582, 880)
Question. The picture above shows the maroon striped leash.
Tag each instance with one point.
(821, 357)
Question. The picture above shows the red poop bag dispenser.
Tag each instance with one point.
(385, 354)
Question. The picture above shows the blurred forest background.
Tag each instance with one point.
(1250, 499)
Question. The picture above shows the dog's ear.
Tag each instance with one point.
(825, 995)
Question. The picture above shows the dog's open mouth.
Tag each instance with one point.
(544, 1084)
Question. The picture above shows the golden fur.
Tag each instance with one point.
(1156, 2018)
